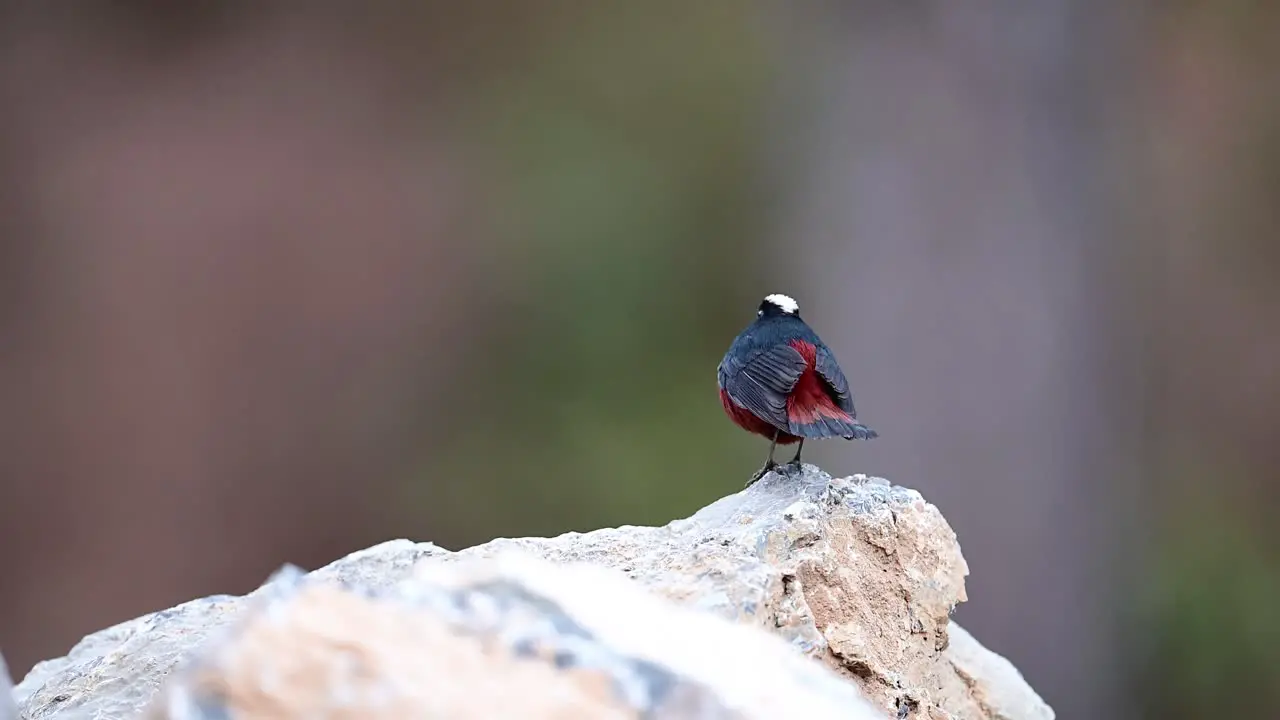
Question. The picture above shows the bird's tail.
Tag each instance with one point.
(824, 426)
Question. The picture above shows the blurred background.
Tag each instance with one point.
(279, 282)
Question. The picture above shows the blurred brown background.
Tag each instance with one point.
(282, 281)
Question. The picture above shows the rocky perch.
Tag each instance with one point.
(802, 596)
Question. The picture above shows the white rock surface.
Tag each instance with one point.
(853, 572)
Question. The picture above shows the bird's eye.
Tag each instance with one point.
(759, 313)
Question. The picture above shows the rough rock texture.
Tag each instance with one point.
(853, 571)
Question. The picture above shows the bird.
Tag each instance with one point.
(779, 380)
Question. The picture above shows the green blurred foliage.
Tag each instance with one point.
(625, 153)
(1213, 618)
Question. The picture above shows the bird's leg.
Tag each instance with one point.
(796, 460)
(768, 464)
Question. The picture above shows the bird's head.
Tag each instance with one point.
(778, 304)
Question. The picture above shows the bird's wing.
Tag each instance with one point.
(761, 382)
(825, 364)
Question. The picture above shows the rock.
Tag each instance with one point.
(854, 572)
(516, 637)
(512, 637)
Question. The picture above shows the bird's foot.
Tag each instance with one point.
(794, 465)
(761, 473)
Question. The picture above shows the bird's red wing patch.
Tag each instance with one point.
(810, 400)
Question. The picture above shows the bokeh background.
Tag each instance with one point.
(279, 281)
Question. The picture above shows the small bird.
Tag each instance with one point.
(779, 380)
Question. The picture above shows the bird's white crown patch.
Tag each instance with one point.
(784, 303)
